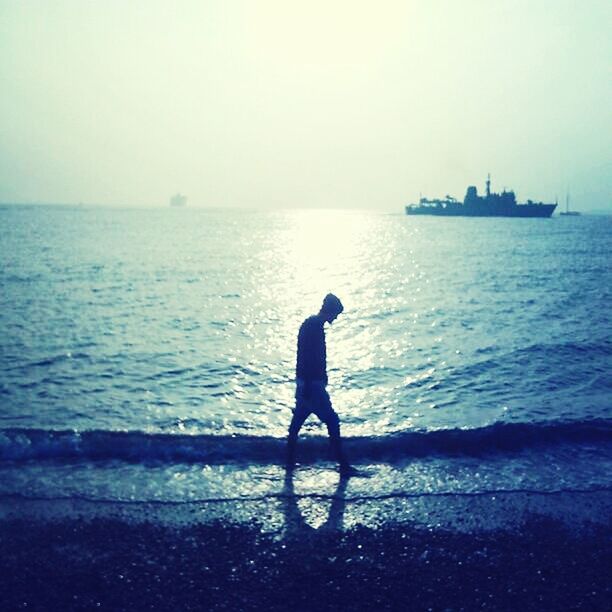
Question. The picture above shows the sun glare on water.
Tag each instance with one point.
(322, 251)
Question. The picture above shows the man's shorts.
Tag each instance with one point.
(319, 401)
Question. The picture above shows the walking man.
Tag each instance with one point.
(311, 380)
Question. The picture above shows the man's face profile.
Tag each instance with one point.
(330, 317)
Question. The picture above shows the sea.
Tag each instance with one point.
(147, 356)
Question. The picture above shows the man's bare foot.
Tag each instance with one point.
(347, 470)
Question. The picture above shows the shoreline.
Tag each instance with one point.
(342, 509)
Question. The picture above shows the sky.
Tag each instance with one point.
(318, 104)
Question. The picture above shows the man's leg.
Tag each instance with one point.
(327, 414)
(300, 414)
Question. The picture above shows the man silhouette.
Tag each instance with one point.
(311, 380)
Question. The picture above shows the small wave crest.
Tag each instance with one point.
(137, 446)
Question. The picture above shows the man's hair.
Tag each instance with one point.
(332, 304)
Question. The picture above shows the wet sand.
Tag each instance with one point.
(116, 564)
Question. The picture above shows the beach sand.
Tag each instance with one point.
(78, 559)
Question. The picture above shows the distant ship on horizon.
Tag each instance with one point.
(502, 204)
(178, 200)
(568, 212)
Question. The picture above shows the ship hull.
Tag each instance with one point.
(520, 211)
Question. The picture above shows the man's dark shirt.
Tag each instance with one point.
(311, 356)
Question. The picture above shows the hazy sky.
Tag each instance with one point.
(304, 104)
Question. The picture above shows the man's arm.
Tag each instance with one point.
(311, 355)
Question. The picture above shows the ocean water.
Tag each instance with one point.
(149, 354)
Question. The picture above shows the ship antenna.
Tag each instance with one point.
(488, 185)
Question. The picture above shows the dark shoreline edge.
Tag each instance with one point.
(115, 564)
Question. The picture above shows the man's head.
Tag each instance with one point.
(331, 308)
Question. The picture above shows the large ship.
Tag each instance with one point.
(502, 204)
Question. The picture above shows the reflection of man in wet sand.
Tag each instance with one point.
(311, 377)
(295, 524)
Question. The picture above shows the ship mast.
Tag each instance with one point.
(488, 185)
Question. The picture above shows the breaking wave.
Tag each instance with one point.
(138, 446)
